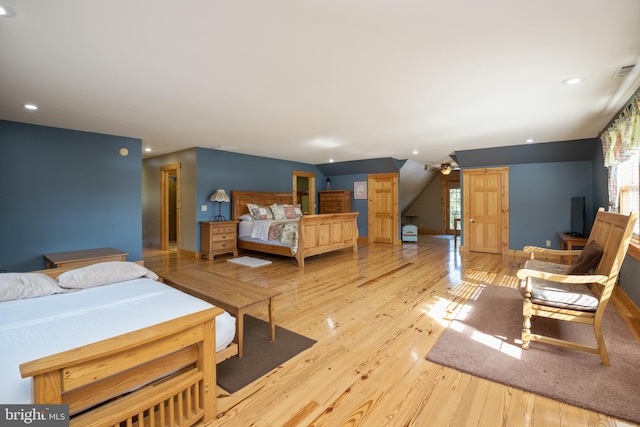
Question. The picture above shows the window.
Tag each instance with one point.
(628, 180)
(454, 206)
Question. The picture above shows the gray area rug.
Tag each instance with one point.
(484, 340)
(260, 354)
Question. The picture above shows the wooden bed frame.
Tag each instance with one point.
(161, 375)
(317, 234)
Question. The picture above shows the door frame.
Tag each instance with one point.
(446, 181)
(166, 171)
(312, 189)
(504, 205)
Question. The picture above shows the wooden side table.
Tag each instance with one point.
(567, 241)
(85, 257)
(217, 238)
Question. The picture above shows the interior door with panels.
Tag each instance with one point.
(486, 210)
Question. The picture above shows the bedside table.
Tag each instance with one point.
(218, 237)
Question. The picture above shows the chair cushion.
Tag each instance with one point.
(575, 296)
(588, 259)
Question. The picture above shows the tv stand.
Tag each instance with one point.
(568, 241)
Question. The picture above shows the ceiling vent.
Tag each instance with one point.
(224, 148)
(624, 71)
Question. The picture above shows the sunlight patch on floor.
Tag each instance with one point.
(496, 343)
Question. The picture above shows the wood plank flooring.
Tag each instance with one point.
(375, 315)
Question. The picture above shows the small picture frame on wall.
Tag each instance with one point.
(360, 190)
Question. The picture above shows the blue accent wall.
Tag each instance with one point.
(241, 172)
(540, 200)
(345, 182)
(66, 190)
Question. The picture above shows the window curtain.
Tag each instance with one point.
(620, 141)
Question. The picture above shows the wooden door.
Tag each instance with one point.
(382, 206)
(486, 210)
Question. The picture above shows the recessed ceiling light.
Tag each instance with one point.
(30, 106)
(331, 160)
(147, 149)
(415, 151)
(6, 11)
(573, 81)
(529, 141)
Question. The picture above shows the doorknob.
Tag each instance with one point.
(472, 220)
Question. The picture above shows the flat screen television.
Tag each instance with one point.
(577, 217)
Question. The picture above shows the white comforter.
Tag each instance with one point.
(37, 327)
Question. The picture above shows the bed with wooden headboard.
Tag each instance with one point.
(317, 234)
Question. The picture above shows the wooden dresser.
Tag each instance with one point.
(218, 238)
(334, 201)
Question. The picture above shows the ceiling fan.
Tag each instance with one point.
(444, 168)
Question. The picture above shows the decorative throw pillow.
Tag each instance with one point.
(27, 285)
(259, 212)
(282, 212)
(290, 212)
(278, 212)
(588, 259)
(246, 217)
(298, 210)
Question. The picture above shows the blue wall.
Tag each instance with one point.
(66, 190)
(241, 172)
(540, 200)
(345, 182)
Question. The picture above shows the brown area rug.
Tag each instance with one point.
(260, 355)
(484, 340)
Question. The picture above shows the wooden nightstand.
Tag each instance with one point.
(218, 238)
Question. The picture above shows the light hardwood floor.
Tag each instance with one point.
(375, 315)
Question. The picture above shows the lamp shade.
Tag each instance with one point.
(219, 196)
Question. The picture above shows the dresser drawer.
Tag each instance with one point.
(223, 244)
(223, 229)
(223, 237)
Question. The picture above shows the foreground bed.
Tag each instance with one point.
(136, 352)
(317, 234)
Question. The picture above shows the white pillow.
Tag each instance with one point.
(103, 273)
(246, 217)
(27, 285)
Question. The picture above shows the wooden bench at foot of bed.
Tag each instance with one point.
(317, 234)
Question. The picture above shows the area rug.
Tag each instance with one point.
(484, 340)
(260, 355)
(249, 261)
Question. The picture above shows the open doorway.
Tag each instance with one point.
(304, 191)
(170, 207)
(451, 203)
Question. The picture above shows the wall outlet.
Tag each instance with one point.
(204, 208)
(548, 243)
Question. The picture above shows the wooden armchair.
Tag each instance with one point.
(564, 292)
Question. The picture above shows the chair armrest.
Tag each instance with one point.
(546, 251)
(562, 278)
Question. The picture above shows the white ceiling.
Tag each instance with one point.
(313, 80)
